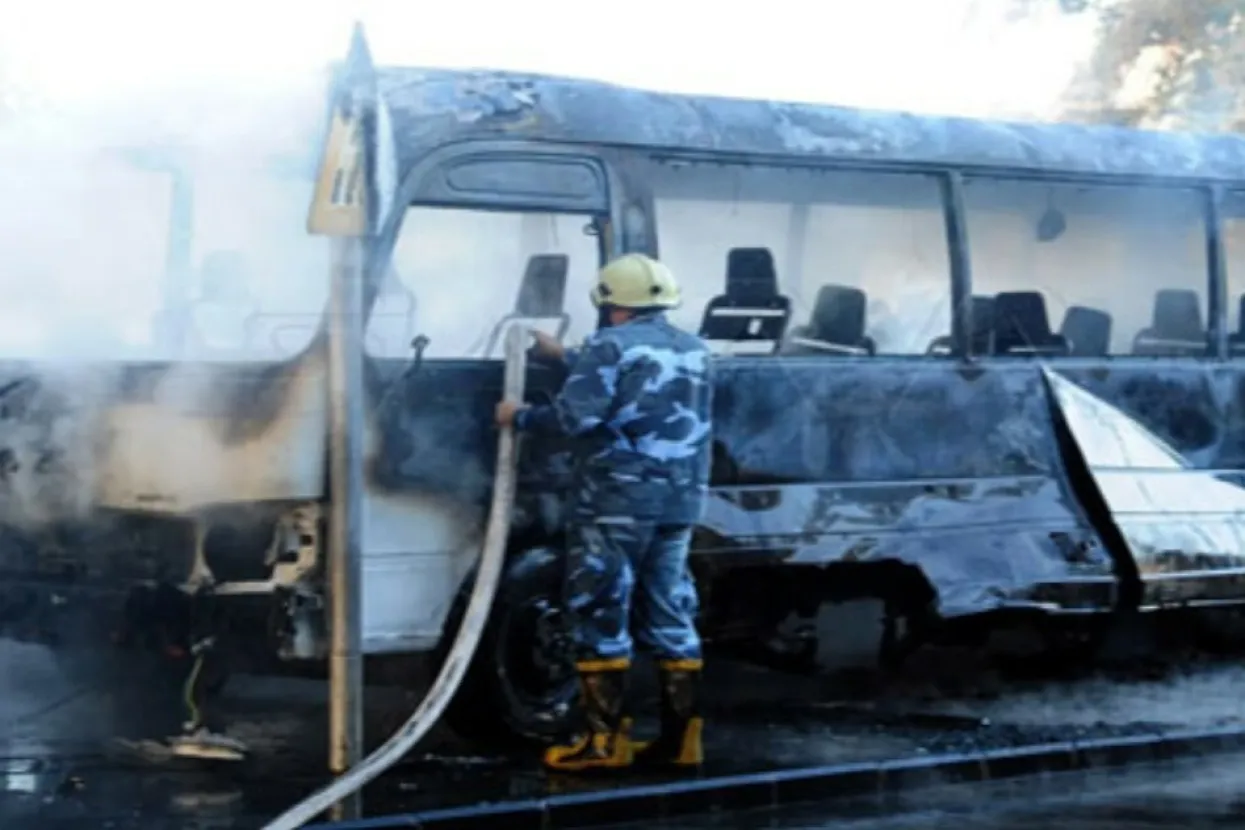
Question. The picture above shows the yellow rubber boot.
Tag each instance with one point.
(679, 744)
(607, 743)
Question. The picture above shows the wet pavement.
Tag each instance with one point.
(1191, 794)
(60, 764)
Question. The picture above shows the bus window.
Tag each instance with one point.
(860, 258)
(1089, 270)
(463, 269)
(1233, 213)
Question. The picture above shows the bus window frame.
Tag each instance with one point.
(423, 186)
(946, 181)
(626, 203)
(1219, 322)
(1215, 285)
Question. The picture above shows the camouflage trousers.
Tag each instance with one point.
(621, 571)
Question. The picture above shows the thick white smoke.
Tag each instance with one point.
(166, 225)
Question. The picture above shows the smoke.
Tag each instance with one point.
(149, 220)
(48, 429)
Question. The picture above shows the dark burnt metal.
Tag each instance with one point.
(426, 104)
(959, 474)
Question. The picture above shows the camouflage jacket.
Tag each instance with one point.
(638, 400)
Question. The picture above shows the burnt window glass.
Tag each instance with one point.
(457, 273)
(1089, 270)
(859, 258)
(1233, 214)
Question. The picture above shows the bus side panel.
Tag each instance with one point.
(954, 470)
(431, 455)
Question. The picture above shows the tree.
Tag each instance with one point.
(1163, 64)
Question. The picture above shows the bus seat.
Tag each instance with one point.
(542, 296)
(542, 292)
(1087, 330)
(751, 317)
(837, 324)
(1021, 326)
(982, 335)
(983, 324)
(1176, 328)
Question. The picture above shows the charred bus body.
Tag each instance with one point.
(972, 370)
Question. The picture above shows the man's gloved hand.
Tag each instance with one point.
(547, 345)
(505, 412)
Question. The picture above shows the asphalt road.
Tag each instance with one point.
(61, 765)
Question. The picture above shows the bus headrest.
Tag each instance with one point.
(839, 315)
(542, 294)
(1020, 320)
(750, 276)
(1177, 315)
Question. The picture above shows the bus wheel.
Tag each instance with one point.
(521, 685)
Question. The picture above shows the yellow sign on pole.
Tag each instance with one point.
(339, 204)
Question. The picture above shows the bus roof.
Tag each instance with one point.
(428, 106)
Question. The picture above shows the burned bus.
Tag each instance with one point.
(973, 371)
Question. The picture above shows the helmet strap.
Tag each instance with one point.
(603, 317)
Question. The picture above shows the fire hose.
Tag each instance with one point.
(488, 574)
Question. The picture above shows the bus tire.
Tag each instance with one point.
(521, 687)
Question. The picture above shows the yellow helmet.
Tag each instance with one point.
(636, 281)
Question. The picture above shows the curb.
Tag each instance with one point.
(782, 788)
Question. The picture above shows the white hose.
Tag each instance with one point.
(469, 631)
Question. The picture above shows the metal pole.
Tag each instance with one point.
(346, 515)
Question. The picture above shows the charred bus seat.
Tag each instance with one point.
(1236, 340)
(542, 296)
(982, 336)
(837, 325)
(752, 316)
(1022, 328)
(1176, 329)
(1087, 330)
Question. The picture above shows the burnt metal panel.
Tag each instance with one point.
(955, 470)
(527, 180)
(435, 419)
(501, 175)
(431, 107)
(526, 177)
(952, 469)
(983, 544)
(1163, 442)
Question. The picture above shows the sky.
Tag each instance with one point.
(947, 56)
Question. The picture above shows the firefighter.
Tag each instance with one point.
(637, 402)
